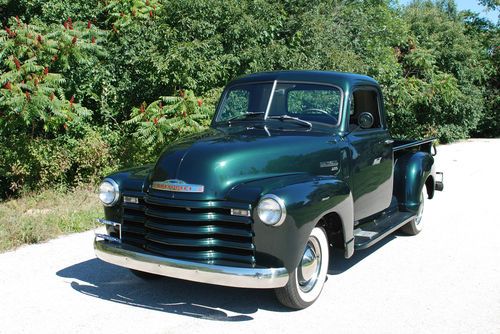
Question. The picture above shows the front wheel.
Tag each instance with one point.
(306, 281)
(415, 226)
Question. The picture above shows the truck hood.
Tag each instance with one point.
(208, 165)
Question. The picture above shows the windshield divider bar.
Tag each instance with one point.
(270, 99)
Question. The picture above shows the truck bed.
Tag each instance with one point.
(424, 145)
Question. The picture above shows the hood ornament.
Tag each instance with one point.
(178, 186)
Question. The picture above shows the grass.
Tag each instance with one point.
(42, 216)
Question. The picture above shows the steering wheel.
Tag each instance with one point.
(321, 111)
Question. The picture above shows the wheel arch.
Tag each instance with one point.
(411, 174)
(339, 227)
(307, 203)
(429, 185)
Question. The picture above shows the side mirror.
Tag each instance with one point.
(365, 120)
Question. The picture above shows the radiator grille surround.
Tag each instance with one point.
(200, 231)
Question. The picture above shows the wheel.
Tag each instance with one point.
(415, 226)
(144, 275)
(306, 281)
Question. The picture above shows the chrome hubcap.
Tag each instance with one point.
(310, 265)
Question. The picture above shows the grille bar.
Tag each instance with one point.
(199, 230)
(134, 229)
(134, 217)
(202, 231)
(216, 257)
(197, 216)
(209, 243)
(176, 203)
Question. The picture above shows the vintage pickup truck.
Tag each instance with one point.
(294, 163)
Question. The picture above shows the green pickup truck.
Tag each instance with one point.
(294, 163)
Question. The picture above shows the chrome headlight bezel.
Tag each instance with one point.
(277, 202)
(115, 191)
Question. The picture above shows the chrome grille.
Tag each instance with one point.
(202, 231)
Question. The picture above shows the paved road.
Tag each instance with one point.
(445, 280)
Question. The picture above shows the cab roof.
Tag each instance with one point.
(341, 79)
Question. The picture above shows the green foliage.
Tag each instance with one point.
(32, 97)
(438, 68)
(45, 138)
(27, 163)
(490, 4)
(488, 35)
(444, 70)
(123, 13)
(53, 11)
(167, 119)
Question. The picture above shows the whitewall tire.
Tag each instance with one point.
(306, 281)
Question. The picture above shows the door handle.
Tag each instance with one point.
(388, 141)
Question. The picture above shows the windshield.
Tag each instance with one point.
(305, 101)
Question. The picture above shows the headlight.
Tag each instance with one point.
(271, 210)
(109, 193)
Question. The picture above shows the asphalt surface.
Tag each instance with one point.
(445, 280)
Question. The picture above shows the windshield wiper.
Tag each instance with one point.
(287, 117)
(243, 116)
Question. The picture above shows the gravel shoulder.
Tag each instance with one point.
(445, 280)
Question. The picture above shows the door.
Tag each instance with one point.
(371, 166)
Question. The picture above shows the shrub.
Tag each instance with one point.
(99, 73)
(67, 161)
(32, 97)
(45, 137)
(167, 119)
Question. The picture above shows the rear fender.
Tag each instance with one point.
(410, 174)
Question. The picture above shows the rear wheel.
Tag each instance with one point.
(306, 281)
(415, 226)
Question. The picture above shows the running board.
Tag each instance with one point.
(370, 233)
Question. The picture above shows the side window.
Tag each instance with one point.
(365, 100)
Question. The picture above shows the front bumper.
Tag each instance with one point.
(134, 258)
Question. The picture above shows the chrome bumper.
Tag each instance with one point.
(133, 258)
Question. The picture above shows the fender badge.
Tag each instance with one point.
(328, 164)
(178, 186)
(333, 165)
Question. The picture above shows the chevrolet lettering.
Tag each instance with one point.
(177, 186)
(294, 164)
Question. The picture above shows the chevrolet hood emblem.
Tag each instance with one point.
(177, 186)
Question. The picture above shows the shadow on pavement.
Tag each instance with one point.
(108, 282)
(203, 301)
(339, 264)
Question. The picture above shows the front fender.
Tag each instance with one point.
(307, 200)
(130, 181)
